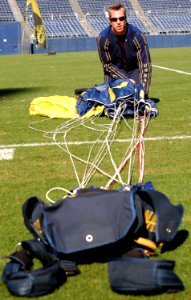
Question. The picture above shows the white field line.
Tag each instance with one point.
(7, 153)
(173, 70)
(157, 138)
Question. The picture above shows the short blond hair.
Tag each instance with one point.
(116, 6)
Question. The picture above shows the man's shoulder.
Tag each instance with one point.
(133, 30)
(106, 32)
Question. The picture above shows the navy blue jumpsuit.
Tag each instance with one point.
(125, 56)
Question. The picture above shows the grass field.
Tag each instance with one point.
(34, 170)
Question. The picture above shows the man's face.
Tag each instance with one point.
(118, 21)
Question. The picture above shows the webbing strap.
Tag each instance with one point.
(143, 276)
(21, 281)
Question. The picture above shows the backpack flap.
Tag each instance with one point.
(86, 222)
(161, 218)
(32, 211)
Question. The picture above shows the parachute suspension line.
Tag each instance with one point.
(46, 133)
(69, 128)
(106, 135)
(111, 133)
(137, 136)
(144, 121)
(139, 128)
(88, 173)
(134, 130)
(57, 188)
(53, 134)
(65, 129)
(89, 164)
(141, 150)
(137, 143)
(111, 157)
(130, 153)
(133, 142)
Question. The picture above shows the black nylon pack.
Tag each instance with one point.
(101, 224)
(96, 225)
(85, 228)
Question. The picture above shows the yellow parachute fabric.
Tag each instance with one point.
(59, 107)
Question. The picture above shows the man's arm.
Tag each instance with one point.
(144, 61)
(105, 56)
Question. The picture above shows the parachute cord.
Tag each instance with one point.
(107, 134)
(144, 121)
(134, 139)
(123, 107)
(54, 189)
(66, 128)
(106, 145)
(137, 138)
(59, 131)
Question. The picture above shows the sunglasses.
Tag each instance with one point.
(123, 18)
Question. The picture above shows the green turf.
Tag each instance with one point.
(34, 170)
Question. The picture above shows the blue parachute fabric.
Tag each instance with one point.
(138, 186)
(127, 187)
(113, 93)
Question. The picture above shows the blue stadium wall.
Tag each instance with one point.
(11, 36)
(89, 44)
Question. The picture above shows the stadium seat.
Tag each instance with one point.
(58, 16)
(6, 14)
(61, 19)
(168, 16)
